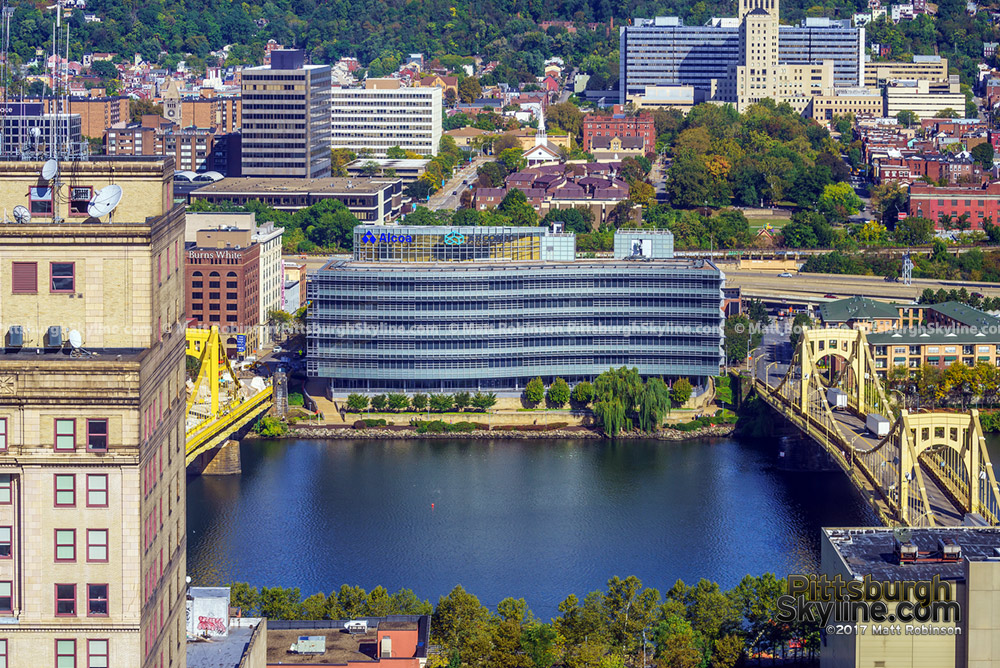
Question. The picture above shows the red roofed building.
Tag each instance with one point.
(619, 125)
(979, 203)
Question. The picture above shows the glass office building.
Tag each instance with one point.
(487, 317)
(665, 52)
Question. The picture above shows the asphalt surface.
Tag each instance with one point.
(756, 283)
(772, 358)
(448, 197)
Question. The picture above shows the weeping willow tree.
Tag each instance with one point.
(653, 404)
(616, 395)
(611, 415)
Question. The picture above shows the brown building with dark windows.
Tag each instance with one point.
(222, 281)
(618, 124)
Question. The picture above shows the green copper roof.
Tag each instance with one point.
(933, 336)
(966, 315)
(856, 308)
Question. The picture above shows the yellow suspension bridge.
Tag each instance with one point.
(218, 404)
(931, 469)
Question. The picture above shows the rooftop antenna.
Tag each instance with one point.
(5, 77)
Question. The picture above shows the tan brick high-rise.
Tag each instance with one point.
(92, 490)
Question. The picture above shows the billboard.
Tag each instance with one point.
(241, 343)
(642, 248)
(22, 109)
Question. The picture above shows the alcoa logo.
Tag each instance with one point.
(454, 238)
(369, 238)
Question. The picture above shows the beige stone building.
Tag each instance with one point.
(92, 486)
(964, 561)
(927, 68)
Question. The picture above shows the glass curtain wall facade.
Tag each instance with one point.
(665, 52)
(496, 325)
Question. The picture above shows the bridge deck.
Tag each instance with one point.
(853, 427)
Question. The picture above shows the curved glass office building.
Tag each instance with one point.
(443, 308)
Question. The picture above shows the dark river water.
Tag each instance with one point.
(531, 519)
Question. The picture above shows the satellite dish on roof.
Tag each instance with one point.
(50, 169)
(22, 215)
(75, 338)
(105, 201)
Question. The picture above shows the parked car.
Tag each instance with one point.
(829, 296)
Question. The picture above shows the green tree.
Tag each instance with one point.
(539, 644)
(534, 392)
(677, 645)
(395, 153)
(914, 231)
(356, 403)
(653, 404)
(280, 603)
(461, 400)
(398, 401)
(484, 400)
(616, 395)
(469, 89)
(558, 393)
(741, 336)
(461, 625)
(839, 201)
(681, 391)
(441, 402)
(512, 159)
(244, 597)
(419, 401)
(582, 393)
(379, 402)
(888, 200)
(907, 118)
(983, 154)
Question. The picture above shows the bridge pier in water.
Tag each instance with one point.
(223, 460)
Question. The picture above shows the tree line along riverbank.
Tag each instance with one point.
(622, 625)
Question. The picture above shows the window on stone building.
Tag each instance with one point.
(97, 600)
(65, 544)
(65, 651)
(65, 486)
(65, 435)
(97, 435)
(97, 490)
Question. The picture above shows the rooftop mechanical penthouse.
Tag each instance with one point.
(446, 308)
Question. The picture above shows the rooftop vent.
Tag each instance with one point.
(309, 645)
(949, 549)
(905, 553)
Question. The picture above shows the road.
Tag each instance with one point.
(772, 359)
(769, 285)
(448, 197)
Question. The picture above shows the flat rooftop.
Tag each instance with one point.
(869, 551)
(390, 163)
(262, 185)
(492, 265)
(220, 652)
(341, 646)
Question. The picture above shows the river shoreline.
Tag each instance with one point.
(376, 433)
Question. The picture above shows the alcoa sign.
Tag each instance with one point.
(386, 238)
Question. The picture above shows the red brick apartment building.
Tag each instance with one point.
(617, 124)
(980, 203)
(222, 284)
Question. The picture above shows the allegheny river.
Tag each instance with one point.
(531, 519)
